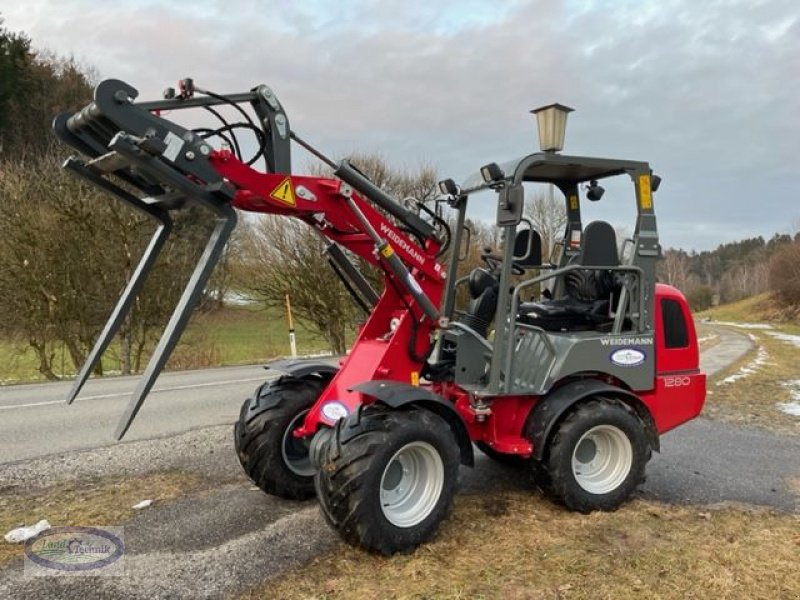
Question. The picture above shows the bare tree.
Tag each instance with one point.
(549, 217)
(674, 269)
(67, 251)
(280, 255)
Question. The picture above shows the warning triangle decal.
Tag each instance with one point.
(284, 192)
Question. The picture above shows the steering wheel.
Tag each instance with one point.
(494, 262)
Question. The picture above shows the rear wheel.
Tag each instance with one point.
(388, 478)
(272, 457)
(597, 456)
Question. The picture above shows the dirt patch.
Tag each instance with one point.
(97, 501)
(537, 550)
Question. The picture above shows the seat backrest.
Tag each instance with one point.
(483, 289)
(598, 249)
(599, 245)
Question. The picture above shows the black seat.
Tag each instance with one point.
(585, 305)
(482, 287)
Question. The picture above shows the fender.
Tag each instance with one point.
(290, 370)
(398, 395)
(300, 368)
(548, 411)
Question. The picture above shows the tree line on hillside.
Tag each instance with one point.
(734, 270)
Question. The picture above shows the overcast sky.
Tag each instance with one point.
(707, 92)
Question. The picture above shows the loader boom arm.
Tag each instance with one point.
(132, 146)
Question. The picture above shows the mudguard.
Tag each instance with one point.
(290, 370)
(300, 368)
(548, 411)
(398, 395)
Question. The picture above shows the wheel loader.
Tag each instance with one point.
(569, 367)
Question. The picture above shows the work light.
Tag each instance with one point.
(448, 187)
(491, 173)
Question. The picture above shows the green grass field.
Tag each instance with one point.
(231, 336)
(756, 309)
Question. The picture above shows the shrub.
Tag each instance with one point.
(784, 274)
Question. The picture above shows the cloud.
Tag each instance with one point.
(707, 92)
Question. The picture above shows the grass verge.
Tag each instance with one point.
(760, 386)
(756, 309)
(90, 502)
(516, 546)
(231, 336)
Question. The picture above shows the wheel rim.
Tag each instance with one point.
(602, 459)
(295, 451)
(411, 484)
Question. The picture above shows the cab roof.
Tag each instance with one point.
(547, 167)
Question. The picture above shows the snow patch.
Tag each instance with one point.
(786, 337)
(792, 407)
(238, 299)
(750, 368)
(743, 325)
(706, 338)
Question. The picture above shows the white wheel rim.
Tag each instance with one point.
(411, 484)
(602, 459)
(294, 451)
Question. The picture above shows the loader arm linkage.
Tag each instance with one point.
(156, 167)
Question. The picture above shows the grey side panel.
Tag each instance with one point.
(540, 359)
(396, 395)
(546, 414)
(576, 354)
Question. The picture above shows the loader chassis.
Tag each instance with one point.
(589, 362)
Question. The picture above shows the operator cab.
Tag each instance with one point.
(576, 304)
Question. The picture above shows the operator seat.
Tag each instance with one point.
(482, 287)
(585, 305)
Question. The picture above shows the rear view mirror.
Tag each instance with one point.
(528, 248)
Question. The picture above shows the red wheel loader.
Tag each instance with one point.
(569, 367)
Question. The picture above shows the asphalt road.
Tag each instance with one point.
(227, 537)
(35, 421)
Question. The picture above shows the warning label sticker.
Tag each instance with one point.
(284, 192)
(573, 202)
(645, 194)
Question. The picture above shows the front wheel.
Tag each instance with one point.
(597, 456)
(272, 457)
(388, 478)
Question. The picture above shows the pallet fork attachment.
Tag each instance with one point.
(140, 162)
(137, 279)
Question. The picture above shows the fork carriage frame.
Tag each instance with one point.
(130, 145)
